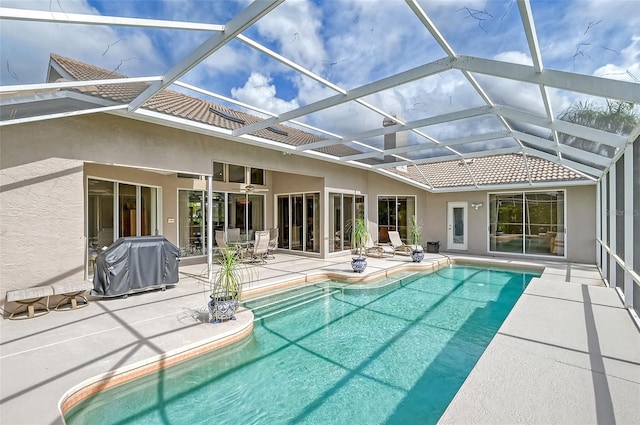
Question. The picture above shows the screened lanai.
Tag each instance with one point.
(399, 88)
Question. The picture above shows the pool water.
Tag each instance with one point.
(396, 354)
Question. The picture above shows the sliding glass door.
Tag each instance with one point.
(298, 221)
(245, 212)
(394, 214)
(116, 210)
(344, 209)
(527, 223)
(192, 222)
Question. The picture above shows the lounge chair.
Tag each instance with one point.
(399, 247)
(273, 242)
(371, 249)
(260, 247)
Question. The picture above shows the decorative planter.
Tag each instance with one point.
(417, 256)
(223, 309)
(358, 264)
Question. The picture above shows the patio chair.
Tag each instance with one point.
(399, 247)
(221, 242)
(260, 247)
(371, 249)
(273, 242)
(233, 235)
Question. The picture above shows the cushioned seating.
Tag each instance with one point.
(30, 301)
(73, 295)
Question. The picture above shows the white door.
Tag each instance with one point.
(457, 225)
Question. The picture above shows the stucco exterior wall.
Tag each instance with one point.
(580, 222)
(44, 166)
(41, 220)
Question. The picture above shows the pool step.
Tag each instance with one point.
(269, 306)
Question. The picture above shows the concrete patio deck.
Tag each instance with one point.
(568, 352)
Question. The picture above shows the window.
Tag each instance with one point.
(394, 214)
(527, 223)
(236, 174)
(218, 172)
(257, 176)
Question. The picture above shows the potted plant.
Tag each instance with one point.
(226, 286)
(414, 237)
(360, 235)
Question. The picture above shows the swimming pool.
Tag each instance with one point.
(392, 354)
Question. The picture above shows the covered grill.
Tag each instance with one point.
(133, 264)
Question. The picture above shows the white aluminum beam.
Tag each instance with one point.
(422, 147)
(77, 18)
(450, 157)
(598, 224)
(63, 115)
(291, 64)
(549, 144)
(239, 23)
(365, 90)
(604, 207)
(587, 84)
(511, 186)
(611, 243)
(530, 33)
(452, 116)
(565, 162)
(629, 245)
(249, 107)
(73, 84)
(426, 21)
(587, 133)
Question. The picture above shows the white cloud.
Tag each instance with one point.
(628, 67)
(296, 27)
(514, 57)
(259, 91)
(26, 46)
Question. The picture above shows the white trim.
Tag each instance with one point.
(611, 215)
(77, 18)
(451, 244)
(629, 245)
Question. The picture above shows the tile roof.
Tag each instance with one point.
(178, 104)
(489, 170)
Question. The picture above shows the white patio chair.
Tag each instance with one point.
(260, 247)
(399, 247)
(273, 242)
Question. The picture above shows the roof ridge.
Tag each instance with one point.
(64, 62)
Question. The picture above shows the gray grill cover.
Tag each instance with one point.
(133, 264)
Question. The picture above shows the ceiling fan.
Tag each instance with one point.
(249, 188)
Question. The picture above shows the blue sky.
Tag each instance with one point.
(347, 42)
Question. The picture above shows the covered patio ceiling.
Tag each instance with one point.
(458, 80)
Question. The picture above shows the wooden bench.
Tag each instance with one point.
(30, 301)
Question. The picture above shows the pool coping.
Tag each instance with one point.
(119, 376)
